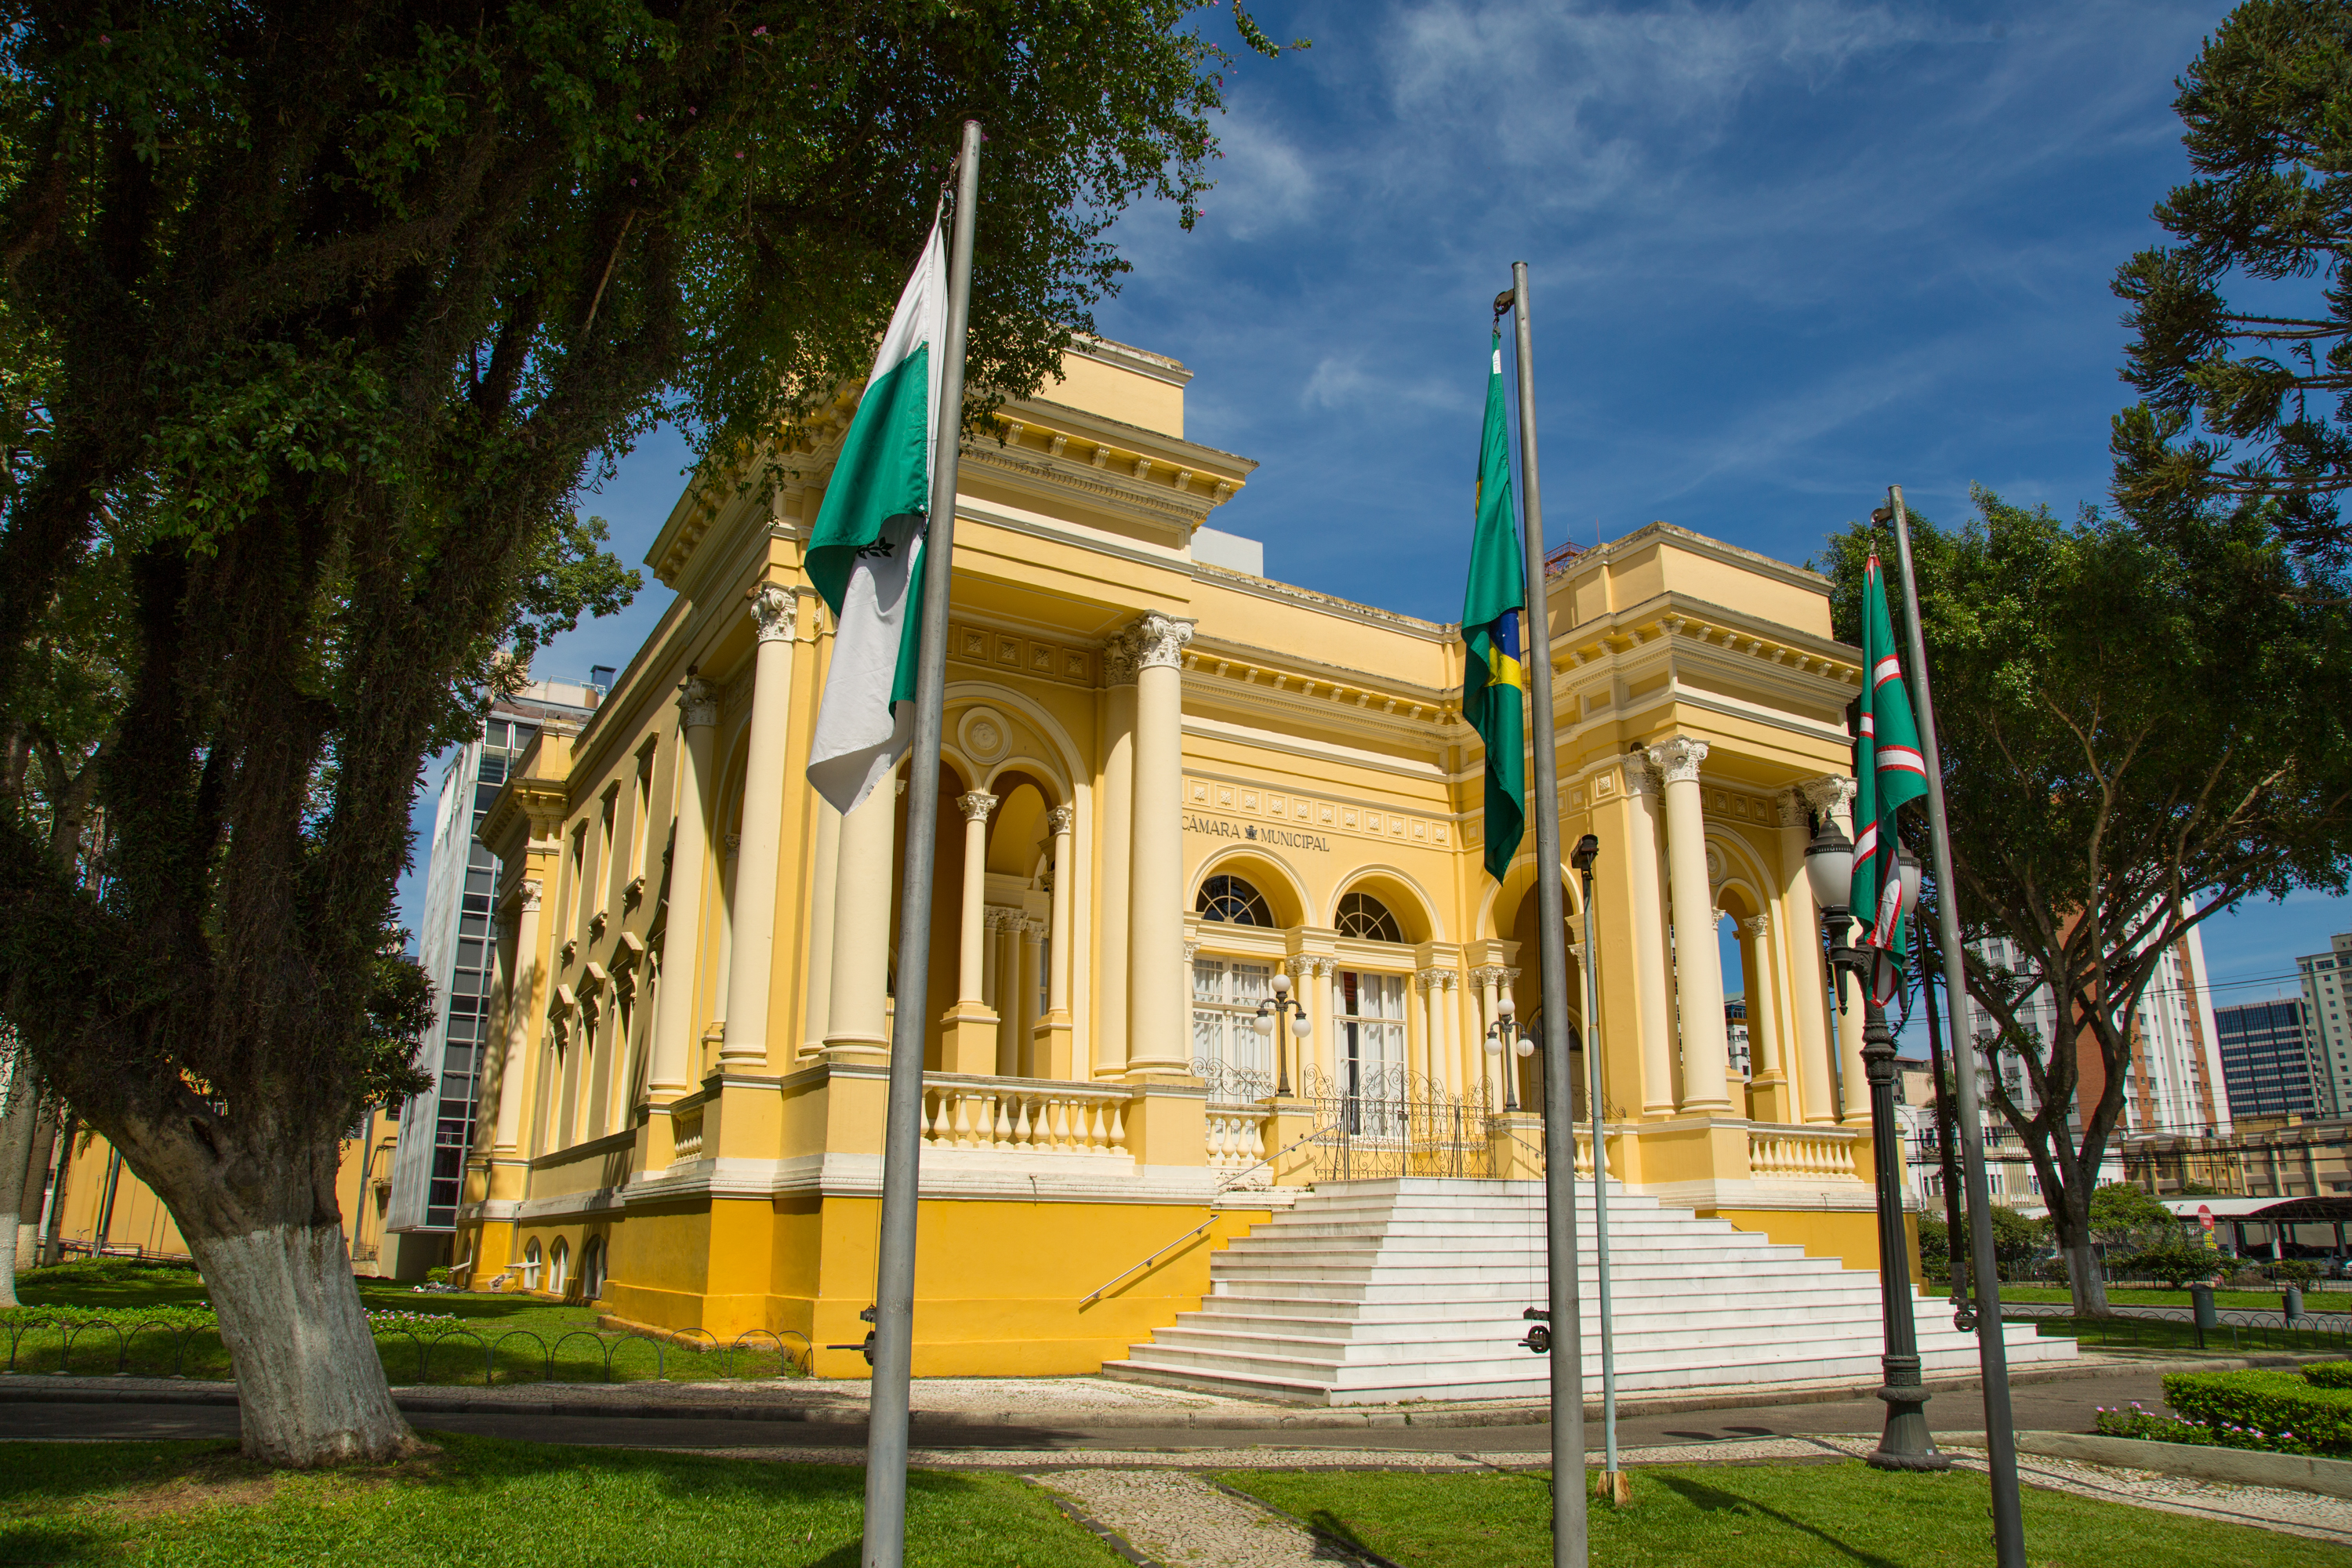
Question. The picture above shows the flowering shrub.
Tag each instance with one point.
(2272, 1410)
(2141, 1422)
(200, 1316)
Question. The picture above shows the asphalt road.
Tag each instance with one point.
(2063, 1405)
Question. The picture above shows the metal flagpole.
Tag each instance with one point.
(1568, 1522)
(894, 1281)
(1616, 1482)
(1992, 1350)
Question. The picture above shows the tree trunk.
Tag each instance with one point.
(310, 1388)
(35, 1190)
(21, 1100)
(2085, 1280)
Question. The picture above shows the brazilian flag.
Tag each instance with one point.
(1494, 682)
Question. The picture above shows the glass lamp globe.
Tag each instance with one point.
(1300, 1027)
(1281, 984)
(1829, 865)
(1906, 866)
(1494, 1045)
(1263, 1023)
(1527, 1046)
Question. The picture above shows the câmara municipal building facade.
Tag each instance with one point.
(1168, 785)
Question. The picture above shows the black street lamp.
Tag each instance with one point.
(1905, 1444)
(1273, 1013)
(1506, 1038)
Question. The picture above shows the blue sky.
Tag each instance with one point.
(1782, 254)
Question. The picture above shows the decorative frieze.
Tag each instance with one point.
(1016, 652)
(1316, 814)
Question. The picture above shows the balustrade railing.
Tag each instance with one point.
(686, 1135)
(1022, 1115)
(1802, 1153)
(1235, 1136)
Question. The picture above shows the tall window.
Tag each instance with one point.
(558, 1266)
(1225, 1041)
(531, 1265)
(1369, 1042)
(1367, 919)
(1232, 901)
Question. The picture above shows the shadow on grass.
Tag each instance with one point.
(1715, 1499)
(75, 1503)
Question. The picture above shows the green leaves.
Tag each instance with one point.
(2266, 108)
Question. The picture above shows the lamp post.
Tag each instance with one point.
(1905, 1444)
(1506, 1038)
(1280, 1015)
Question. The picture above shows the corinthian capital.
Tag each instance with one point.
(774, 612)
(1677, 759)
(531, 895)
(976, 806)
(1828, 795)
(699, 700)
(1159, 640)
(1061, 817)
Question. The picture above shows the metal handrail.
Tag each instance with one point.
(1225, 1184)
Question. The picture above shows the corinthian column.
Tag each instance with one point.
(775, 614)
(1053, 1032)
(674, 1008)
(1833, 796)
(1642, 878)
(1698, 967)
(523, 997)
(861, 927)
(1114, 837)
(970, 1027)
(1157, 1018)
(1809, 1039)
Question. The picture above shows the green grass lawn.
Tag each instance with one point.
(2228, 1300)
(1757, 1516)
(2226, 1338)
(160, 1324)
(515, 1505)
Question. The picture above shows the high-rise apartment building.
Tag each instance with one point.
(2267, 1052)
(2326, 997)
(453, 945)
(2176, 1082)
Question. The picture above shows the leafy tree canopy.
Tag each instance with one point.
(313, 321)
(2140, 726)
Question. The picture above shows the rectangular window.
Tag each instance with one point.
(1236, 1059)
(1369, 1047)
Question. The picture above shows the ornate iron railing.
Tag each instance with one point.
(1375, 1123)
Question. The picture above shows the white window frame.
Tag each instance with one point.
(1226, 989)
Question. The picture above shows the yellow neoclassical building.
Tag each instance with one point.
(1169, 786)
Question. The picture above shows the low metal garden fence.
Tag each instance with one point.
(454, 1355)
(2175, 1328)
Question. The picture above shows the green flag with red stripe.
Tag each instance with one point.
(1888, 773)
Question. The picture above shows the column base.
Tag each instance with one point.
(968, 1039)
(857, 1047)
(1050, 1040)
(1905, 1444)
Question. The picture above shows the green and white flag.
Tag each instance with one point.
(865, 553)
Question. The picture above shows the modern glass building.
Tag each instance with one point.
(428, 1168)
(2266, 1051)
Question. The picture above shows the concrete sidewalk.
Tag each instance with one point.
(1093, 1402)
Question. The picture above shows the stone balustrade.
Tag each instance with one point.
(686, 1135)
(1025, 1115)
(1234, 1136)
(1804, 1153)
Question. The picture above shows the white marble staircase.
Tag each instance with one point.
(1368, 1293)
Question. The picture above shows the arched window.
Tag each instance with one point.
(559, 1266)
(531, 1264)
(1367, 919)
(1233, 901)
(592, 1270)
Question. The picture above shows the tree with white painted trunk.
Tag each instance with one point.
(20, 1114)
(314, 322)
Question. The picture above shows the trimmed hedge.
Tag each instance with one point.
(2329, 1375)
(2275, 1410)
